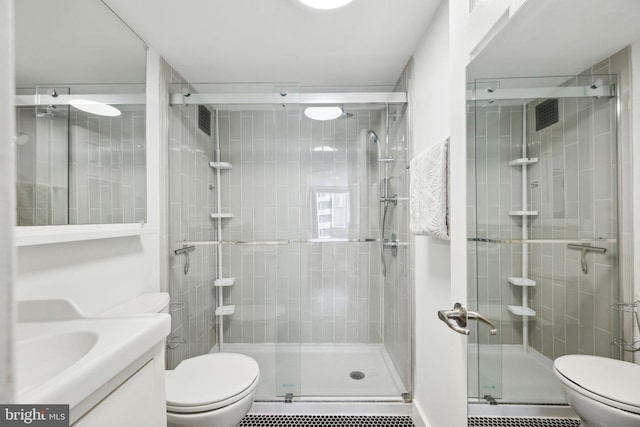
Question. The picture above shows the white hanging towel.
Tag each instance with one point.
(428, 191)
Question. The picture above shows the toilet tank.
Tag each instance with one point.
(142, 304)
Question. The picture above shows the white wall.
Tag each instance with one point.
(98, 274)
(7, 201)
(431, 123)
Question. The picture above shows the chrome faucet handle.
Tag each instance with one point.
(480, 317)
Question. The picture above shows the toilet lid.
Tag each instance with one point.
(611, 379)
(210, 378)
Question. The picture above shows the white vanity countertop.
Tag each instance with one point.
(65, 361)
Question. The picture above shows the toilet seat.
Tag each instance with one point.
(211, 381)
(608, 381)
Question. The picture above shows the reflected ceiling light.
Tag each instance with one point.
(325, 4)
(325, 148)
(94, 107)
(323, 113)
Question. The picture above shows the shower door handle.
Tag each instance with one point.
(456, 319)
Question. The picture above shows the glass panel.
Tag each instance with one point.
(546, 185)
(282, 185)
(191, 202)
(315, 308)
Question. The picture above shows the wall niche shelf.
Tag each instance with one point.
(521, 281)
(221, 215)
(523, 161)
(523, 213)
(221, 165)
(225, 310)
(521, 311)
(225, 281)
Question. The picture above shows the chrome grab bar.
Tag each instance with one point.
(456, 319)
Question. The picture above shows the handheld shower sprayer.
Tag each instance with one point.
(373, 137)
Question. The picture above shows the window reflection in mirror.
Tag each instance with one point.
(75, 164)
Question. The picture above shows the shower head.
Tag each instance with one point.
(344, 114)
(373, 137)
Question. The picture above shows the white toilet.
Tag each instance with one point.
(212, 390)
(602, 391)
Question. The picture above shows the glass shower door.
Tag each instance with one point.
(545, 236)
(282, 164)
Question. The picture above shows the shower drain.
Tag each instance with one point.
(357, 375)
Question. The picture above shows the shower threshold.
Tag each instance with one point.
(514, 410)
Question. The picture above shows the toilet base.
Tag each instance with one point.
(596, 414)
(229, 416)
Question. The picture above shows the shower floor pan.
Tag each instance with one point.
(526, 378)
(324, 372)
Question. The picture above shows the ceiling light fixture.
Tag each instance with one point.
(325, 4)
(94, 107)
(323, 113)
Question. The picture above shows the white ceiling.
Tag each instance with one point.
(367, 42)
(74, 41)
(552, 37)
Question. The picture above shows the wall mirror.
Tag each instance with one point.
(80, 115)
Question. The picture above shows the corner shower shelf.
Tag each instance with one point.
(225, 310)
(220, 165)
(523, 213)
(523, 161)
(521, 281)
(225, 281)
(221, 215)
(521, 311)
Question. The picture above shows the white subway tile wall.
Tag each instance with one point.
(107, 167)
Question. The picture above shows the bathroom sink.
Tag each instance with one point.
(61, 350)
(66, 357)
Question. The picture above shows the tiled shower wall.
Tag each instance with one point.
(574, 188)
(324, 292)
(79, 168)
(191, 199)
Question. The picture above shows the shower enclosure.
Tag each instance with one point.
(283, 216)
(544, 236)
